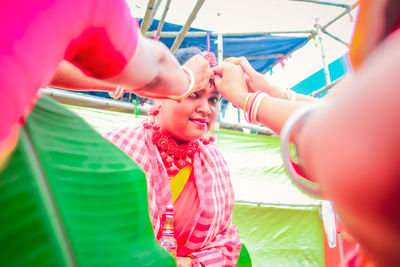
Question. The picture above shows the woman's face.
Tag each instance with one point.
(193, 117)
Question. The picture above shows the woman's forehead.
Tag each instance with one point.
(209, 90)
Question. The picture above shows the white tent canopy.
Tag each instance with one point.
(235, 16)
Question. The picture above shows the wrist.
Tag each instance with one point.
(252, 105)
(288, 95)
(190, 88)
(118, 92)
(241, 100)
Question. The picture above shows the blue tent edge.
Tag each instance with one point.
(337, 69)
(262, 51)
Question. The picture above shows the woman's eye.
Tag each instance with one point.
(214, 100)
(194, 95)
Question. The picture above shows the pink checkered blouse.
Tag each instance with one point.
(214, 240)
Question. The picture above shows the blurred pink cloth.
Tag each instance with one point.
(99, 37)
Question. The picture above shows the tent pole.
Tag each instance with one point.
(306, 205)
(204, 33)
(147, 15)
(326, 70)
(83, 100)
(323, 3)
(340, 15)
(325, 88)
(220, 45)
(153, 13)
(185, 28)
(161, 22)
(336, 38)
(220, 58)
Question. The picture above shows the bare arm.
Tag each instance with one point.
(152, 72)
(259, 82)
(68, 76)
(273, 112)
(351, 147)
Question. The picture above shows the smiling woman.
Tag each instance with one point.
(188, 180)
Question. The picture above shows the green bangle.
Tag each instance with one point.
(245, 103)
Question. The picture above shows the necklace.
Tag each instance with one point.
(175, 154)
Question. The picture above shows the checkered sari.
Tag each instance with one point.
(214, 240)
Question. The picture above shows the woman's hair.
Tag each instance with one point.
(184, 54)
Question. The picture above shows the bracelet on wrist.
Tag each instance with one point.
(290, 95)
(245, 105)
(294, 170)
(257, 104)
(251, 114)
(191, 85)
(119, 91)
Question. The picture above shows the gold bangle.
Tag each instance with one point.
(191, 86)
(245, 104)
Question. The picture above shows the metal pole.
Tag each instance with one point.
(277, 204)
(220, 46)
(146, 18)
(84, 100)
(326, 69)
(185, 28)
(340, 15)
(336, 38)
(325, 88)
(153, 14)
(323, 3)
(161, 22)
(220, 58)
(225, 34)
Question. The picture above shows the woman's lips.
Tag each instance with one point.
(200, 122)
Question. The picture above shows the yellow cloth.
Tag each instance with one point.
(178, 182)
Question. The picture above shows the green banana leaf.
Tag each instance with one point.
(68, 197)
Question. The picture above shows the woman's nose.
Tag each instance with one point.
(203, 106)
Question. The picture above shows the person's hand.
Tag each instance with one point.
(255, 80)
(230, 81)
(186, 262)
(201, 71)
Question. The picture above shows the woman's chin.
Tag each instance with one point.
(193, 136)
(189, 134)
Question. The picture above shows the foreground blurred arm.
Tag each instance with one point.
(152, 72)
(70, 77)
(351, 147)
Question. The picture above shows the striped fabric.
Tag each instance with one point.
(214, 240)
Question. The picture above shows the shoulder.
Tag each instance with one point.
(122, 137)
